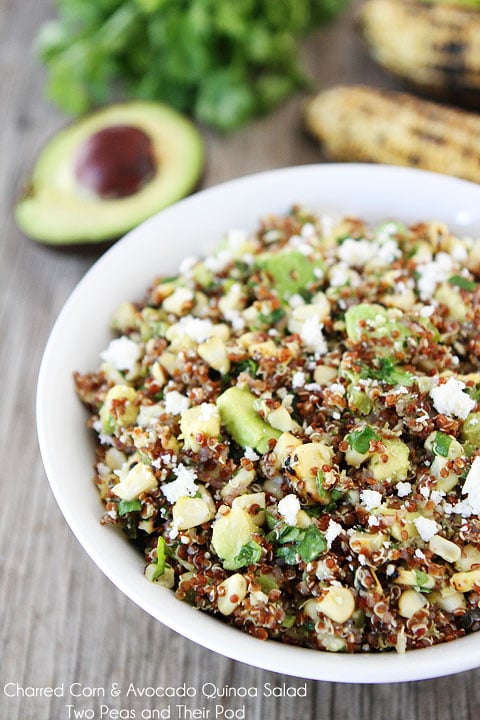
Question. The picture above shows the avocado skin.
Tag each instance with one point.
(55, 209)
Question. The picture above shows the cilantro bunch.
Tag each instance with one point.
(222, 61)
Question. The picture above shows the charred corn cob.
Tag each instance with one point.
(366, 124)
(433, 47)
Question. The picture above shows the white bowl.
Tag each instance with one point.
(192, 226)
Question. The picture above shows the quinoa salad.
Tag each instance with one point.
(289, 431)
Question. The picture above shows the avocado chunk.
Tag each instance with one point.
(379, 327)
(106, 173)
(396, 467)
(290, 271)
(238, 415)
(230, 533)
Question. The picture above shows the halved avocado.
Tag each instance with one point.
(106, 173)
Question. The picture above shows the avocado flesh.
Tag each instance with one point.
(291, 271)
(238, 415)
(57, 210)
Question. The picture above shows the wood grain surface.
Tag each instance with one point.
(62, 621)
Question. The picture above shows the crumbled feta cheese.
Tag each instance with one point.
(403, 489)
(471, 487)
(250, 454)
(337, 388)
(339, 275)
(425, 491)
(459, 253)
(208, 411)
(357, 253)
(373, 521)
(122, 353)
(235, 319)
(176, 403)
(308, 230)
(390, 570)
(218, 262)
(427, 311)
(436, 496)
(333, 531)
(194, 328)
(288, 507)
(296, 301)
(370, 499)
(387, 252)
(298, 379)
(449, 399)
(432, 274)
(312, 336)
(426, 528)
(419, 554)
(183, 486)
(187, 265)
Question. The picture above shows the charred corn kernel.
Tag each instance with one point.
(266, 349)
(114, 458)
(214, 352)
(410, 602)
(180, 301)
(139, 479)
(404, 300)
(159, 374)
(124, 317)
(370, 542)
(434, 47)
(448, 599)
(324, 375)
(238, 483)
(234, 299)
(118, 408)
(305, 463)
(338, 604)
(446, 549)
(319, 310)
(366, 124)
(464, 581)
(168, 361)
(231, 592)
(190, 512)
(303, 519)
(286, 443)
(282, 420)
(469, 558)
(250, 502)
(203, 420)
(167, 579)
(306, 459)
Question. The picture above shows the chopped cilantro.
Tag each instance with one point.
(249, 554)
(441, 444)
(307, 543)
(128, 506)
(249, 366)
(322, 493)
(389, 373)
(462, 282)
(422, 580)
(272, 318)
(359, 440)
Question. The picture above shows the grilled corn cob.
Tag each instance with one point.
(366, 124)
(433, 47)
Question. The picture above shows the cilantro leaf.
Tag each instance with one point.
(462, 282)
(128, 506)
(249, 554)
(359, 440)
(312, 545)
(389, 373)
(441, 444)
(223, 62)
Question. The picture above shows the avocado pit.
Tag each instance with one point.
(115, 162)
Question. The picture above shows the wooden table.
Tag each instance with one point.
(62, 621)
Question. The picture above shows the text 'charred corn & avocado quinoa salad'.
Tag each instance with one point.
(290, 431)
